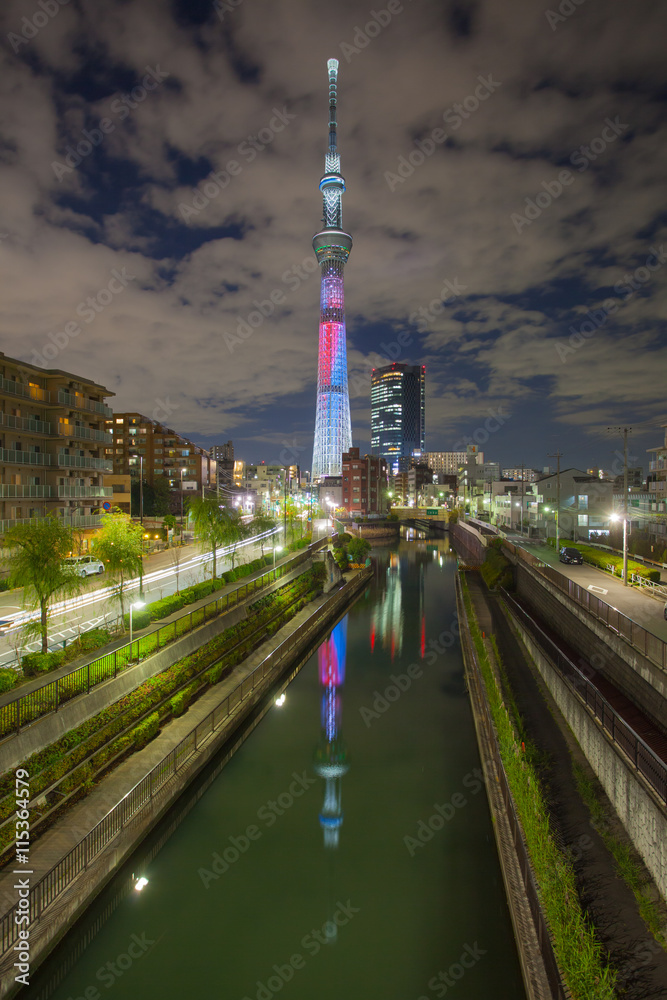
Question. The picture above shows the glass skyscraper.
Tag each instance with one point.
(398, 414)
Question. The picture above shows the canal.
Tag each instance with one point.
(345, 850)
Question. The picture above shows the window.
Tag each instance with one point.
(582, 520)
(583, 502)
(119, 420)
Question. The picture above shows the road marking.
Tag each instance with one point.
(597, 590)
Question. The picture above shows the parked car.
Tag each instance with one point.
(569, 555)
(86, 565)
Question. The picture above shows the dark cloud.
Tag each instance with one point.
(473, 244)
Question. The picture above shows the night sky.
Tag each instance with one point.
(505, 166)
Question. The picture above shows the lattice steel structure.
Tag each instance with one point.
(332, 245)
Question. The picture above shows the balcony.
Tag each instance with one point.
(657, 464)
(87, 521)
(26, 391)
(9, 490)
(25, 424)
(83, 403)
(24, 457)
(81, 462)
(84, 491)
(78, 431)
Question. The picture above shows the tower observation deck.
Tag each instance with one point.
(332, 245)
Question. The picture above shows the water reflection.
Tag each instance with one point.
(387, 617)
(331, 755)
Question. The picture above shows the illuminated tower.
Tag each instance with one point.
(333, 432)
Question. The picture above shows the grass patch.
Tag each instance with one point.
(626, 858)
(578, 951)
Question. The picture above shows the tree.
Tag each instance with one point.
(213, 524)
(259, 525)
(358, 549)
(236, 531)
(37, 563)
(119, 545)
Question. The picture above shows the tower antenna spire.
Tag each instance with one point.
(332, 245)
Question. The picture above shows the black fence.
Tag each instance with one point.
(645, 760)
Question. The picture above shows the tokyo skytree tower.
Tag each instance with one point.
(333, 433)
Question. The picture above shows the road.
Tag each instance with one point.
(96, 606)
(647, 611)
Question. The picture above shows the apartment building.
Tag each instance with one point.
(53, 451)
(141, 443)
(364, 485)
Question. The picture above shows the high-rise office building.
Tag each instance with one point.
(332, 245)
(398, 413)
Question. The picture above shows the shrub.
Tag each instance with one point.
(358, 549)
(203, 589)
(35, 664)
(8, 679)
(4, 585)
(497, 570)
(145, 731)
(95, 638)
(181, 700)
(140, 619)
(167, 606)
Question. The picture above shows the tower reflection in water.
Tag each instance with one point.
(331, 756)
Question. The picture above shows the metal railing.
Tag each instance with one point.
(558, 990)
(11, 491)
(54, 882)
(20, 389)
(86, 521)
(83, 403)
(645, 760)
(84, 433)
(12, 457)
(84, 491)
(51, 695)
(82, 462)
(29, 424)
(648, 644)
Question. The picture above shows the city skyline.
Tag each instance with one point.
(505, 200)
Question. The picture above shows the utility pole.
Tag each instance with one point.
(624, 431)
(557, 455)
(141, 489)
(523, 489)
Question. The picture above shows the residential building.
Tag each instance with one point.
(364, 483)
(224, 459)
(398, 413)
(522, 473)
(657, 469)
(635, 479)
(419, 476)
(121, 488)
(139, 442)
(447, 463)
(53, 446)
(584, 503)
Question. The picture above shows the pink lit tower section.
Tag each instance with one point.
(332, 245)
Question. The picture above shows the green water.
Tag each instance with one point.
(312, 900)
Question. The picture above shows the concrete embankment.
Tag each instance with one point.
(69, 870)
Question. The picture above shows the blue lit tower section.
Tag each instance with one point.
(333, 430)
(331, 756)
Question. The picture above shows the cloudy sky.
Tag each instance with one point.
(505, 168)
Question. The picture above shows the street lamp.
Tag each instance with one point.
(520, 505)
(617, 517)
(137, 605)
(276, 548)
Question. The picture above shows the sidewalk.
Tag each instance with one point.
(644, 609)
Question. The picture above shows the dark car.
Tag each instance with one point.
(567, 555)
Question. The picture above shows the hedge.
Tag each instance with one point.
(35, 664)
(8, 679)
(602, 558)
(145, 731)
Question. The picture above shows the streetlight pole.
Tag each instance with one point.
(182, 473)
(137, 605)
(141, 490)
(619, 517)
